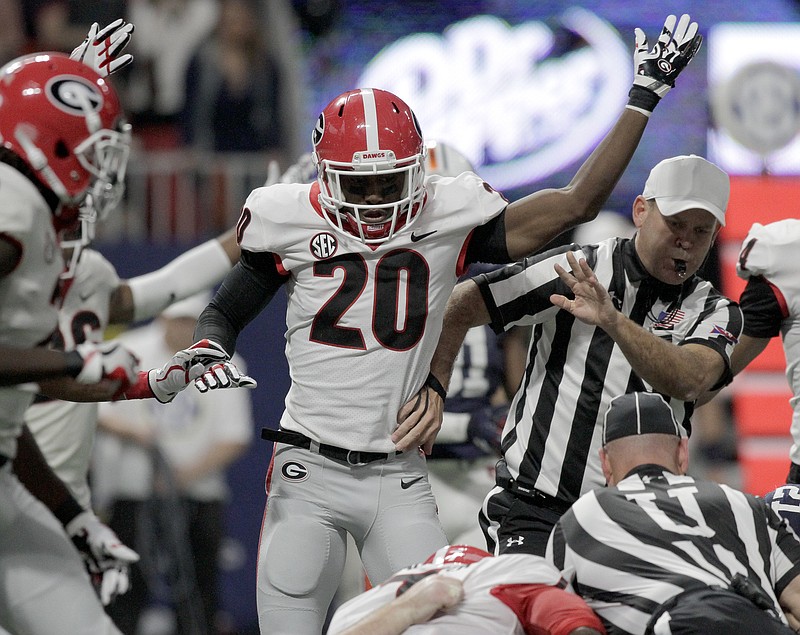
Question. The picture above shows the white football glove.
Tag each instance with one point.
(107, 360)
(101, 49)
(657, 69)
(184, 367)
(104, 555)
(223, 374)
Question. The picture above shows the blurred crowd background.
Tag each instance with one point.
(220, 88)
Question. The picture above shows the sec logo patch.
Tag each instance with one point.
(323, 245)
(294, 471)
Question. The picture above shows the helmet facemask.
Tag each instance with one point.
(104, 155)
(371, 200)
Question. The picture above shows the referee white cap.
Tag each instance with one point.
(688, 182)
(638, 413)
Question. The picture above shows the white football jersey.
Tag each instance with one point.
(774, 255)
(65, 430)
(362, 321)
(29, 294)
(479, 612)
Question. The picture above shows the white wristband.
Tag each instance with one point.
(646, 113)
(198, 269)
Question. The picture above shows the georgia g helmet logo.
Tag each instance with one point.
(74, 95)
(316, 136)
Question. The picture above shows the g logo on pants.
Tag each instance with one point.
(294, 471)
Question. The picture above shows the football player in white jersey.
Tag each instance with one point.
(63, 136)
(63, 144)
(461, 464)
(369, 255)
(462, 590)
(771, 306)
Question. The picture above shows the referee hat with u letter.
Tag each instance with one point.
(638, 413)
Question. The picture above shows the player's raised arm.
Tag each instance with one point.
(532, 221)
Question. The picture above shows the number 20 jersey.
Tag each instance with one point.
(362, 320)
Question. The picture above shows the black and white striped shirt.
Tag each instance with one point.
(631, 548)
(552, 433)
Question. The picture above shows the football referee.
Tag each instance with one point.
(659, 552)
(610, 318)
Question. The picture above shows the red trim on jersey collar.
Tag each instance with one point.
(313, 198)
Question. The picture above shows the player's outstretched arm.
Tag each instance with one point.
(198, 269)
(182, 369)
(416, 606)
(532, 221)
(91, 372)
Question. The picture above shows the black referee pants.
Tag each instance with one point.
(521, 525)
(712, 611)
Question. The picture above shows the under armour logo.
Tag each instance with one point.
(515, 541)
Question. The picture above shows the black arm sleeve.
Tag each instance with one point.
(243, 294)
(488, 242)
(762, 311)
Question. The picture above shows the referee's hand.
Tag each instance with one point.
(591, 302)
(419, 421)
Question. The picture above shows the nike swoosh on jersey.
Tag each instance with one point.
(418, 237)
(405, 484)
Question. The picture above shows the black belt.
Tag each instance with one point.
(3, 460)
(504, 479)
(351, 457)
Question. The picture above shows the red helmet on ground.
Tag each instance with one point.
(461, 554)
(66, 123)
(370, 155)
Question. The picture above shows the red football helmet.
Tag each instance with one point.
(461, 554)
(66, 123)
(369, 154)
